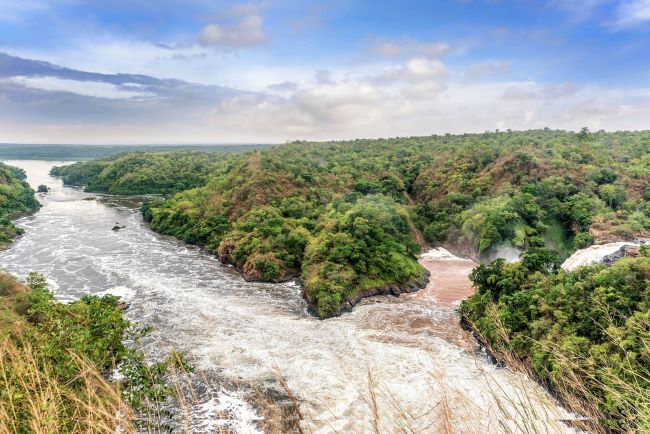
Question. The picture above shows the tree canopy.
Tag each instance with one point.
(342, 215)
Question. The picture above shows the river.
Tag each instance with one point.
(392, 365)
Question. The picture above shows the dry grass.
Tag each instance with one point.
(519, 407)
(37, 403)
(33, 401)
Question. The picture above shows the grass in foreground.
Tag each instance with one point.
(56, 359)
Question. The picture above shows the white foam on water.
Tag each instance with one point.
(125, 294)
(228, 411)
(508, 253)
(441, 254)
(593, 254)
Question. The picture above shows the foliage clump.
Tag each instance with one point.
(141, 172)
(56, 358)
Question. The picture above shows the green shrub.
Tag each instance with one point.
(582, 240)
(67, 344)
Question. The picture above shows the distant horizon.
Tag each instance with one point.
(170, 144)
(138, 144)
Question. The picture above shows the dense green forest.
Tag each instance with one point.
(15, 197)
(586, 333)
(349, 218)
(87, 152)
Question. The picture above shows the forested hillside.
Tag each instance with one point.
(350, 217)
(15, 197)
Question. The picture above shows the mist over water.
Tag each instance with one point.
(241, 333)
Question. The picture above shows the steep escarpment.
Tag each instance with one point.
(349, 218)
(16, 197)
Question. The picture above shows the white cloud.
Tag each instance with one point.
(338, 102)
(246, 30)
(632, 13)
(490, 67)
(581, 9)
(396, 48)
(422, 91)
(533, 90)
(415, 97)
(417, 70)
(365, 107)
(627, 14)
(95, 89)
(109, 54)
(283, 87)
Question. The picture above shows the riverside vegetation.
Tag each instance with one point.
(56, 359)
(584, 333)
(141, 172)
(16, 197)
(349, 218)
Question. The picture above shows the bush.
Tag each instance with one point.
(582, 240)
(269, 269)
(15, 197)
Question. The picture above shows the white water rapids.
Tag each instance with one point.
(392, 365)
(594, 254)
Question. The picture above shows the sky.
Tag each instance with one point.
(201, 71)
